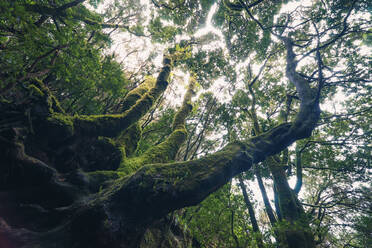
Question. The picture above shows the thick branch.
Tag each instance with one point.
(289, 206)
(162, 188)
(167, 150)
(25, 169)
(137, 93)
(155, 190)
(112, 125)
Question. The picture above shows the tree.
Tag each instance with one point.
(74, 176)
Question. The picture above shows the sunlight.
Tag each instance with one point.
(209, 28)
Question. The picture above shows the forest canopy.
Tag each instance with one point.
(184, 123)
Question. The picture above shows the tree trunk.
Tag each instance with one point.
(293, 229)
(252, 216)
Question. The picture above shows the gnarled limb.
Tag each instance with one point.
(137, 93)
(155, 190)
(166, 151)
(20, 168)
(112, 125)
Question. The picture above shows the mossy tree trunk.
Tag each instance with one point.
(55, 197)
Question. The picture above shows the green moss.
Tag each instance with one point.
(167, 150)
(39, 88)
(129, 165)
(186, 176)
(35, 90)
(97, 179)
(180, 117)
(54, 104)
(97, 125)
(294, 234)
(134, 95)
(60, 125)
(140, 108)
(62, 119)
(162, 153)
(130, 138)
(112, 125)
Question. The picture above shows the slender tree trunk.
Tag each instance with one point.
(252, 216)
(265, 199)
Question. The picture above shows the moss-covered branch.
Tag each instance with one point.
(134, 95)
(167, 150)
(163, 188)
(113, 125)
(290, 208)
(309, 112)
(157, 189)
